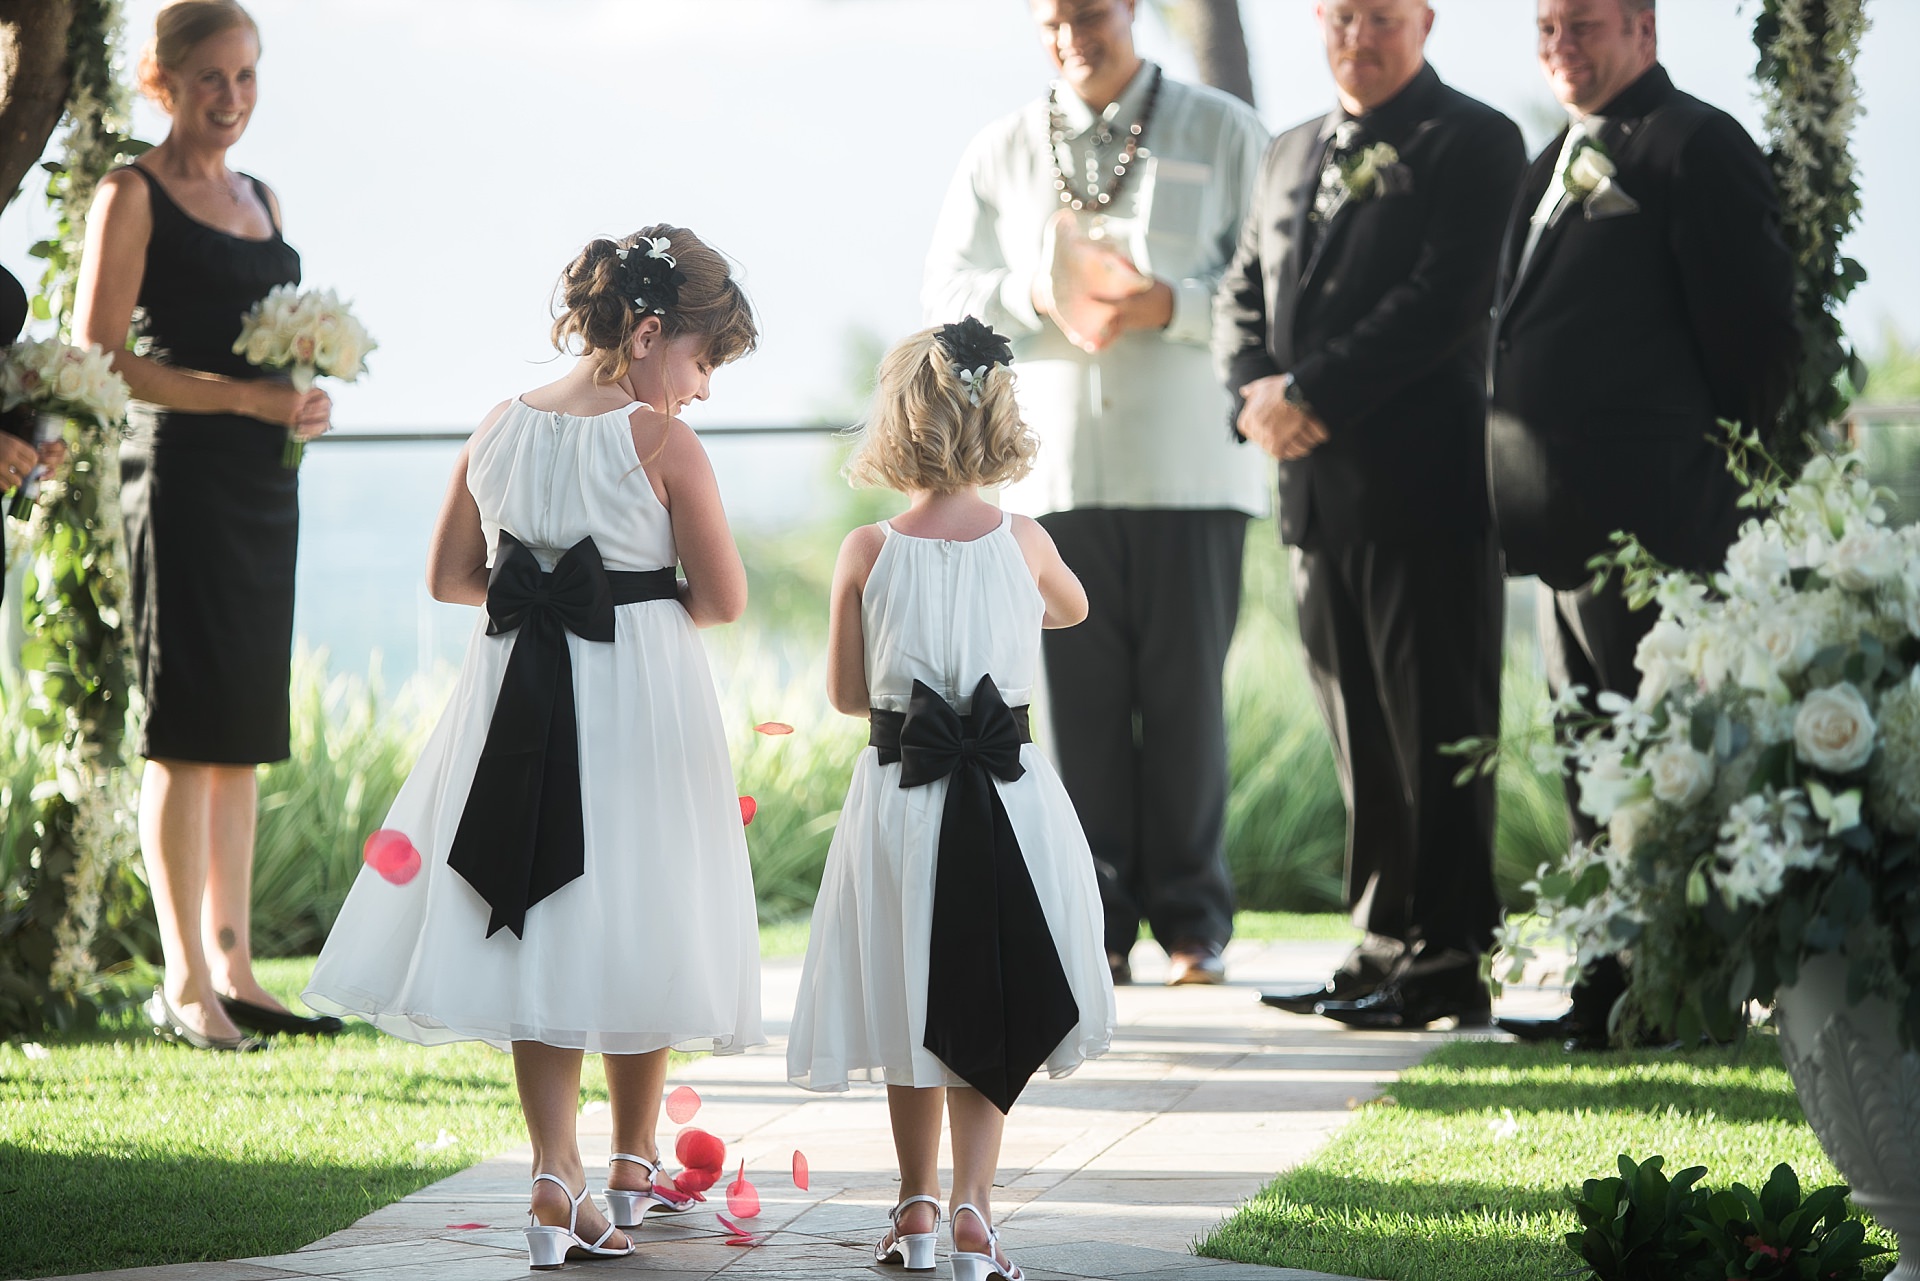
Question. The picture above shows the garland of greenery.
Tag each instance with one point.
(75, 652)
(1805, 71)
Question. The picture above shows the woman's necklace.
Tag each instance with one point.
(1094, 197)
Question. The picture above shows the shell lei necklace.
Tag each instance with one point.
(1094, 198)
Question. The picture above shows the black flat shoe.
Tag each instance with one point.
(1120, 968)
(258, 1018)
(167, 1025)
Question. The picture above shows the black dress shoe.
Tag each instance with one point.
(1343, 986)
(1363, 973)
(258, 1018)
(1569, 1030)
(1445, 985)
(1120, 968)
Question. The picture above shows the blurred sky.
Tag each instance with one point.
(439, 161)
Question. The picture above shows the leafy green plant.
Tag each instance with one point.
(1777, 1235)
(1638, 1226)
(1643, 1226)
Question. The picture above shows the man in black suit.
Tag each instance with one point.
(1351, 324)
(1645, 292)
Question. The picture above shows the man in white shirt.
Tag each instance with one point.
(1092, 227)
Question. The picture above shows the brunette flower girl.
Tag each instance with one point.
(583, 882)
(956, 945)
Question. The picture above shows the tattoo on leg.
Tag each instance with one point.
(227, 939)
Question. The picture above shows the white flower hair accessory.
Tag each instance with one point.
(972, 380)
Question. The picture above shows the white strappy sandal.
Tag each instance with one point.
(914, 1250)
(981, 1267)
(630, 1208)
(548, 1246)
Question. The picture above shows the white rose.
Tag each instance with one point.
(1607, 783)
(1758, 561)
(1662, 660)
(1589, 169)
(1789, 642)
(1681, 776)
(69, 381)
(1863, 558)
(1833, 730)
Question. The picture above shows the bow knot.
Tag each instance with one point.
(935, 740)
(576, 595)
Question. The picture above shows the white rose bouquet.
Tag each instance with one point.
(1761, 795)
(305, 334)
(55, 382)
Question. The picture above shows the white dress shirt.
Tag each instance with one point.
(1137, 425)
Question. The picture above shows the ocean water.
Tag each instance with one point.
(367, 510)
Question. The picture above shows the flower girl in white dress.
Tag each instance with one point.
(957, 938)
(583, 882)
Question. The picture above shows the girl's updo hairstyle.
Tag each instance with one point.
(178, 28)
(925, 432)
(596, 303)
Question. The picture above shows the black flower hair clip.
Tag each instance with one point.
(973, 349)
(652, 279)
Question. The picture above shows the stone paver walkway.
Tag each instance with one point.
(1111, 1173)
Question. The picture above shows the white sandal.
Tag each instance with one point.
(628, 1207)
(548, 1246)
(968, 1266)
(913, 1250)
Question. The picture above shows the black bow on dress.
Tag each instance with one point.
(522, 836)
(998, 1001)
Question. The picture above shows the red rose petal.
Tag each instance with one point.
(682, 1104)
(669, 1192)
(742, 1197)
(392, 855)
(465, 1227)
(799, 1170)
(746, 1242)
(773, 729)
(698, 1150)
(748, 808)
(731, 1226)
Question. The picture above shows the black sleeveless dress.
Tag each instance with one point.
(212, 517)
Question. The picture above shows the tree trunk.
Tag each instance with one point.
(1212, 28)
(34, 78)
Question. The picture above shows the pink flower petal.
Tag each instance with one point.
(742, 1197)
(682, 1104)
(773, 729)
(746, 1242)
(698, 1150)
(465, 1227)
(392, 855)
(731, 1226)
(748, 808)
(800, 1175)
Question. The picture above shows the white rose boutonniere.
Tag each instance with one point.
(1375, 170)
(1589, 179)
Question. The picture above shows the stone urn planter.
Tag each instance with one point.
(1861, 1094)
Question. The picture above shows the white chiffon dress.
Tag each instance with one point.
(657, 944)
(946, 614)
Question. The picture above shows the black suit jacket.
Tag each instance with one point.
(1383, 324)
(1629, 335)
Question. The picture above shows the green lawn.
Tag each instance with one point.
(1459, 1172)
(118, 1150)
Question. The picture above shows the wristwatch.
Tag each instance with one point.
(1291, 393)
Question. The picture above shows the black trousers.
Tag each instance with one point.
(1138, 722)
(1403, 645)
(1589, 639)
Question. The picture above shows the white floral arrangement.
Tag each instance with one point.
(1761, 793)
(51, 377)
(305, 334)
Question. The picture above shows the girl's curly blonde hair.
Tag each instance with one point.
(925, 433)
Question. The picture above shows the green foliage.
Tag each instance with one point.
(1641, 1226)
(1637, 1227)
(1805, 73)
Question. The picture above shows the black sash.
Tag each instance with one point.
(998, 1002)
(522, 836)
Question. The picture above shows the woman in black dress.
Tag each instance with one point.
(212, 516)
